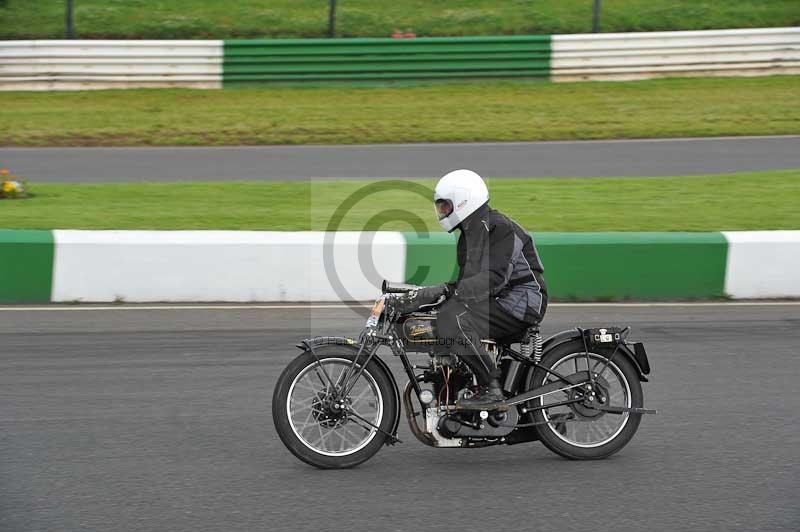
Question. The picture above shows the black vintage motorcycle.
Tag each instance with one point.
(578, 392)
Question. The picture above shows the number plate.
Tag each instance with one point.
(375, 315)
(605, 335)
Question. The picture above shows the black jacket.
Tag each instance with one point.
(498, 258)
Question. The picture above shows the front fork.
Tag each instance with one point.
(341, 388)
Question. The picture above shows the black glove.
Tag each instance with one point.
(431, 294)
(427, 295)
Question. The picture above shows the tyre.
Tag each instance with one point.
(320, 427)
(577, 431)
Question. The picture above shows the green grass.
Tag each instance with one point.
(485, 111)
(356, 18)
(748, 201)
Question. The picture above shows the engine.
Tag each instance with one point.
(449, 378)
(447, 427)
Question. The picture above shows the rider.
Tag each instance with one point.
(500, 290)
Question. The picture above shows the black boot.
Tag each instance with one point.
(486, 398)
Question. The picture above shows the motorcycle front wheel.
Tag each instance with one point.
(322, 427)
(577, 431)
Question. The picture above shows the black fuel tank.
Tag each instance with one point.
(418, 331)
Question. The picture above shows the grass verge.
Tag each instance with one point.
(186, 19)
(747, 201)
(485, 111)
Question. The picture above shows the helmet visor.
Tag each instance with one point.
(444, 208)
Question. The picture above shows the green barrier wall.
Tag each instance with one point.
(26, 266)
(430, 258)
(600, 266)
(287, 60)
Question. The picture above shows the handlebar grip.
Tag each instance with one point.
(397, 288)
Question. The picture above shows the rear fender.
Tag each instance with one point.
(560, 338)
(310, 344)
(634, 351)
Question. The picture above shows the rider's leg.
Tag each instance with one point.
(465, 326)
(457, 326)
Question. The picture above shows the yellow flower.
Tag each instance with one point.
(9, 186)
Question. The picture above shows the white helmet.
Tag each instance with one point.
(457, 195)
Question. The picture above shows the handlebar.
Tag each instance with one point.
(397, 288)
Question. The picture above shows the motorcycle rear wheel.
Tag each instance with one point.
(311, 430)
(576, 431)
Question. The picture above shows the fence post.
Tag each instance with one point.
(596, 16)
(69, 30)
(332, 19)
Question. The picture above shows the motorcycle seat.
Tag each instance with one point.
(513, 338)
(501, 341)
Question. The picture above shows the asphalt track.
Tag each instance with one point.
(657, 157)
(159, 420)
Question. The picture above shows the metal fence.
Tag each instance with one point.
(56, 65)
(386, 59)
(628, 56)
(69, 17)
(70, 65)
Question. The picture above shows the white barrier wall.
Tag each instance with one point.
(240, 266)
(630, 56)
(69, 65)
(763, 264)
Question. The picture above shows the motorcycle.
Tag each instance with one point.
(578, 392)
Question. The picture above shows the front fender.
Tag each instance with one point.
(326, 340)
(310, 344)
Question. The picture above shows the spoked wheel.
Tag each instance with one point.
(323, 426)
(578, 430)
